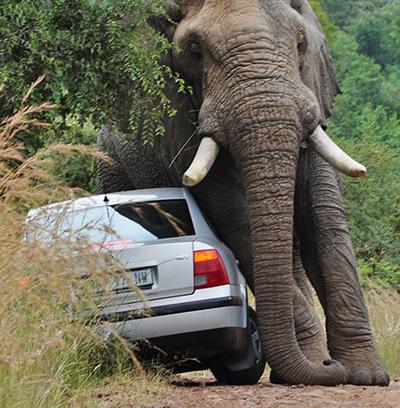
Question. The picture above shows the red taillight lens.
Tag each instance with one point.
(209, 270)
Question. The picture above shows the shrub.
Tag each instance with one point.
(100, 59)
(373, 202)
(101, 63)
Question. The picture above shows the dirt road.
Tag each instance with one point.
(188, 391)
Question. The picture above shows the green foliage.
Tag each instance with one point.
(330, 29)
(373, 202)
(100, 58)
(365, 122)
(101, 62)
(378, 34)
(340, 11)
(344, 12)
(77, 170)
(360, 78)
(383, 271)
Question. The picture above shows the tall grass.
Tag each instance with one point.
(49, 357)
(384, 312)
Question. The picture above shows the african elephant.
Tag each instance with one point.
(263, 87)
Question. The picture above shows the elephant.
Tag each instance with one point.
(250, 141)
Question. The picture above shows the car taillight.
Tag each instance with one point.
(209, 270)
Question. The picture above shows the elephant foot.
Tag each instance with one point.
(274, 378)
(364, 367)
(314, 349)
(328, 372)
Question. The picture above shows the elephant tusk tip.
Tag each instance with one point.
(190, 180)
(334, 155)
(359, 172)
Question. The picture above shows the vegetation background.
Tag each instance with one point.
(100, 62)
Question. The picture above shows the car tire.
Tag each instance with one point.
(251, 375)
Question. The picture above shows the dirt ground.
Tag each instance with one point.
(197, 391)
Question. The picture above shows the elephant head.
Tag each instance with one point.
(265, 85)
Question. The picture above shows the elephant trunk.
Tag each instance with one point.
(268, 159)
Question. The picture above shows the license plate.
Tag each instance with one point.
(143, 279)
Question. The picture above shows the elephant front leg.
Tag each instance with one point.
(330, 262)
(309, 331)
(349, 334)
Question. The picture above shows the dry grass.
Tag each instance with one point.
(384, 311)
(49, 357)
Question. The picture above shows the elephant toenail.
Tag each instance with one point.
(361, 377)
(381, 378)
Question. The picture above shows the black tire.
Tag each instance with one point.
(252, 375)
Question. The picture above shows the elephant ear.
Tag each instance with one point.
(318, 71)
(167, 23)
(166, 26)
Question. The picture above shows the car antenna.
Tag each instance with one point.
(107, 200)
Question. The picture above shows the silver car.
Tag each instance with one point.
(195, 293)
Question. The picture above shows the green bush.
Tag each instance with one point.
(373, 204)
(101, 63)
(365, 122)
(100, 58)
(76, 170)
(384, 271)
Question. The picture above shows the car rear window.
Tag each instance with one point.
(120, 224)
(162, 219)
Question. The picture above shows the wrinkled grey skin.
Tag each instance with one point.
(263, 80)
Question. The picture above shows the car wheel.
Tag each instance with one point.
(251, 375)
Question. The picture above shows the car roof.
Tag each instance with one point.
(154, 194)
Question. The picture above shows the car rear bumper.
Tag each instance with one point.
(170, 324)
(221, 309)
(172, 309)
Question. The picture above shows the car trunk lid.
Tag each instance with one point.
(160, 269)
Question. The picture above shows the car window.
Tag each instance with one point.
(124, 223)
(161, 219)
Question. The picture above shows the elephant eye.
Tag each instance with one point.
(195, 49)
(301, 42)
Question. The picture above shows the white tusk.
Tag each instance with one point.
(334, 155)
(202, 162)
